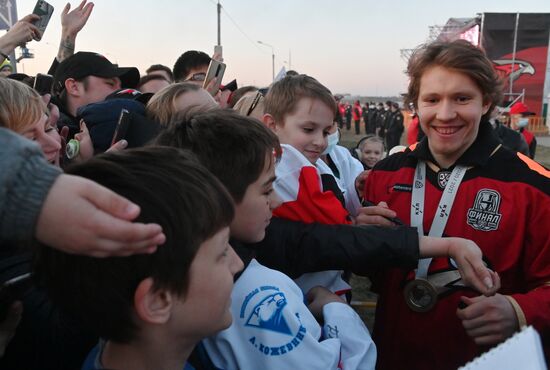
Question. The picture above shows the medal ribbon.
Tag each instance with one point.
(443, 209)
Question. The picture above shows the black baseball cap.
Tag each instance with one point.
(86, 63)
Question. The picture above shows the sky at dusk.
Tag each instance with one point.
(351, 46)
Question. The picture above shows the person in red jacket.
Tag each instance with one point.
(357, 112)
(459, 181)
(519, 113)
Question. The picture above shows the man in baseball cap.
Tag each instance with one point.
(85, 78)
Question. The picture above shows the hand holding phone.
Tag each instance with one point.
(214, 77)
(44, 10)
(137, 130)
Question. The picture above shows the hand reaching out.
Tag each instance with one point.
(375, 215)
(73, 21)
(100, 221)
(470, 264)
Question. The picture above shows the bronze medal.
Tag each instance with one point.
(420, 295)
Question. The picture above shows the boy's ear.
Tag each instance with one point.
(71, 85)
(152, 305)
(269, 121)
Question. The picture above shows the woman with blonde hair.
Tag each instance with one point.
(25, 112)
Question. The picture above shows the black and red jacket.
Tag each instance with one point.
(503, 204)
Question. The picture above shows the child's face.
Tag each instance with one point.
(306, 129)
(205, 308)
(371, 153)
(253, 213)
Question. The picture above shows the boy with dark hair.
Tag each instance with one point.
(151, 309)
(273, 328)
(191, 66)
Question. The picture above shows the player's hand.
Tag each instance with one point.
(488, 320)
(375, 215)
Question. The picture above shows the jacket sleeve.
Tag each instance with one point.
(273, 329)
(533, 305)
(295, 248)
(341, 322)
(25, 180)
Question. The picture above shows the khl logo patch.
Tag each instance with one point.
(443, 178)
(484, 214)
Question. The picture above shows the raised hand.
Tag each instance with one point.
(72, 23)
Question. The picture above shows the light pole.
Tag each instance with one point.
(272, 59)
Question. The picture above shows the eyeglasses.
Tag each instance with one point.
(200, 76)
(255, 102)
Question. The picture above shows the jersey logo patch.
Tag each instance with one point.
(484, 215)
(266, 308)
(268, 314)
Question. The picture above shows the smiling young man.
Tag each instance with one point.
(460, 181)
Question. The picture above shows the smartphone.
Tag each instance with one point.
(216, 70)
(44, 10)
(136, 129)
(122, 126)
(43, 83)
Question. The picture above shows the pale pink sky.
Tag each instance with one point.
(351, 46)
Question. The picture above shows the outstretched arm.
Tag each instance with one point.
(36, 200)
(72, 23)
(469, 261)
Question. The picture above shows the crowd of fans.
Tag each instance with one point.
(158, 223)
